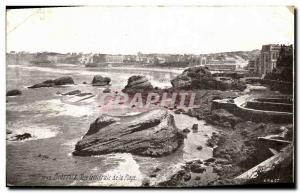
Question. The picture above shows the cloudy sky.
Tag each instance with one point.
(127, 30)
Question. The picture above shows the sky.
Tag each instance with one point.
(150, 29)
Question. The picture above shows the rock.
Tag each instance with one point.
(137, 84)
(63, 81)
(21, 137)
(84, 94)
(217, 169)
(100, 81)
(84, 82)
(152, 175)
(197, 168)
(56, 82)
(152, 133)
(210, 160)
(199, 148)
(14, 92)
(195, 127)
(181, 175)
(145, 182)
(197, 178)
(213, 141)
(101, 122)
(201, 78)
(178, 111)
(194, 77)
(221, 161)
(186, 130)
(107, 90)
(74, 92)
(44, 156)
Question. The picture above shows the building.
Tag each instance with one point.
(86, 59)
(257, 63)
(251, 66)
(99, 58)
(268, 58)
(114, 59)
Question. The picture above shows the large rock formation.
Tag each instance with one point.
(56, 82)
(137, 84)
(153, 133)
(201, 78)
(100, 80)
(14, 92)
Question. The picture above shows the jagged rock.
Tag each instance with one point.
(107, 90)
(137, 84)
(84, 94)
(186, 130)
(14, 92)
(63, 81)
(210, 160)
(56, 82)
(201, 78)
(199, 148)
(153, 133)
(73, 92)
(100, 80)
(20, 137)
(195, 127)
(197, 168)
(223, 118)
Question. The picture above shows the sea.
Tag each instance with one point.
(57, 122)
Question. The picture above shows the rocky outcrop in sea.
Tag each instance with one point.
(56, 82)
(153, 134)
(201, 78)
(14, 92)
(137, 84)
(99, 80)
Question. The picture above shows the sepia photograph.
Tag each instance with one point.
(150, 96)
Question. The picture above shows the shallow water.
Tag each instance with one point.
(58, 122)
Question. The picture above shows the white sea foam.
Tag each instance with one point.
(54, 107)
(127, 167)
(37, 131)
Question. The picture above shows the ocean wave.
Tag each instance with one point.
(37, 131)
(127, 171)
(53, 107)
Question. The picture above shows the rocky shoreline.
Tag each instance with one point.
(236, 144)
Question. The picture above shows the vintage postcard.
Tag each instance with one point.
(150, 96)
